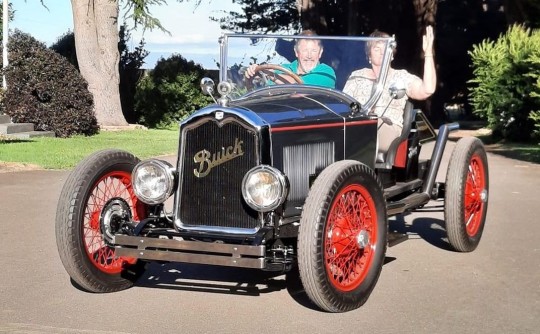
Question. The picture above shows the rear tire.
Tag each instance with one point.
(96, 194)
(466, 198)
(342, 237)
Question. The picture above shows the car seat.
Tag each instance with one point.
(397, 151)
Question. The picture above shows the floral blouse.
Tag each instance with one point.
(359, 85)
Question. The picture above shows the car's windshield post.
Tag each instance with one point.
(223, 57)
(379, 84)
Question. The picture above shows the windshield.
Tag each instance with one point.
(325, 61)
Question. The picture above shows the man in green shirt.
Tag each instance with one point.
(307, 66)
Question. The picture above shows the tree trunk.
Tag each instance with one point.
(312, 16)
(95, 25)
(425, 13)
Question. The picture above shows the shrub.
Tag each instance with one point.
(65, 45)
(170, 92)
(535, 75)
(502, 90)
(45, 89)
(130, 73)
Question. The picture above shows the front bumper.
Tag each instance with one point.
(173, 250)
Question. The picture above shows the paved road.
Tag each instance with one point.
(424, 287)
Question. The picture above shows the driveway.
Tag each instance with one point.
(423, 288)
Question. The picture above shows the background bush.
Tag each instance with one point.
(170, 92)
(505, 88)
(45, 89)
(65, 45)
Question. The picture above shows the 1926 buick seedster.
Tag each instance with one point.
(271, 177)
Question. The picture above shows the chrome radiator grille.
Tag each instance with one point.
(216, 158)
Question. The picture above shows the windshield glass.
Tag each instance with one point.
(315, 60)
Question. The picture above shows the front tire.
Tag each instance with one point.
(96, 196)
(342, 237)
(466, 198)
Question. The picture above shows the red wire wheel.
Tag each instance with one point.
(352, 217)
(342, 237)
(116, 184)
(474, 193)
(97, 198)
(467, 192)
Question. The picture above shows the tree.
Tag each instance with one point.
(10, 16)
(170, 92)
(130, 73)
(522, 11)
(65, 45)
(96, 41)
(129, 66)
(264, 16)
(95, 25)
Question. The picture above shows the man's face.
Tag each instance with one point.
(308, 52)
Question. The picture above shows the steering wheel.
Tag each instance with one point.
(268, 75)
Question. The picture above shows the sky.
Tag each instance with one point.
(193, 35)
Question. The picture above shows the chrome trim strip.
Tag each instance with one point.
(249, 117)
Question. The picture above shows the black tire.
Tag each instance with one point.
(350, 188)
(89, 261)
(466, 197)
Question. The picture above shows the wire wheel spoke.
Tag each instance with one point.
(113, 185)
(473, 201)
(346, 261)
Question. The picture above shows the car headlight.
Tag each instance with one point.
(264, 188)
(153, 181)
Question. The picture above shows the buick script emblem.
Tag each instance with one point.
(207, 160)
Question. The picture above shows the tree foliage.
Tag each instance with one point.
(65, 45)
(45, 89)
(10, 16)
(505, 87)
(130, 73)
(263, 16)
(170, 92)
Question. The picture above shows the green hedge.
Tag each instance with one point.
(505, 89)
(170, 92)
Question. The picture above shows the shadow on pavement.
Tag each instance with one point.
(431, 230)
(211, 279)
(225, 280)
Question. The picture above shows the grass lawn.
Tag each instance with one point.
(57, 153)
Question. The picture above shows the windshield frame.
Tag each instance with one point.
(390, 45)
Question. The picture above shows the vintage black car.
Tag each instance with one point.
(274, 177)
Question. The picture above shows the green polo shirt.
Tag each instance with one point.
(321, 75)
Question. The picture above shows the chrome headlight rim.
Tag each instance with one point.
(281, 183)
(168, 173)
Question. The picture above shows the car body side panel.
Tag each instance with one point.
(360, 140)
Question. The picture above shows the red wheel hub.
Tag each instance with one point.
(116, 184)
(475, 195)
(350, 230)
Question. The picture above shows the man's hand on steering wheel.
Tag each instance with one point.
(268, 72)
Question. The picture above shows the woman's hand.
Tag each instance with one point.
(427, 42)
